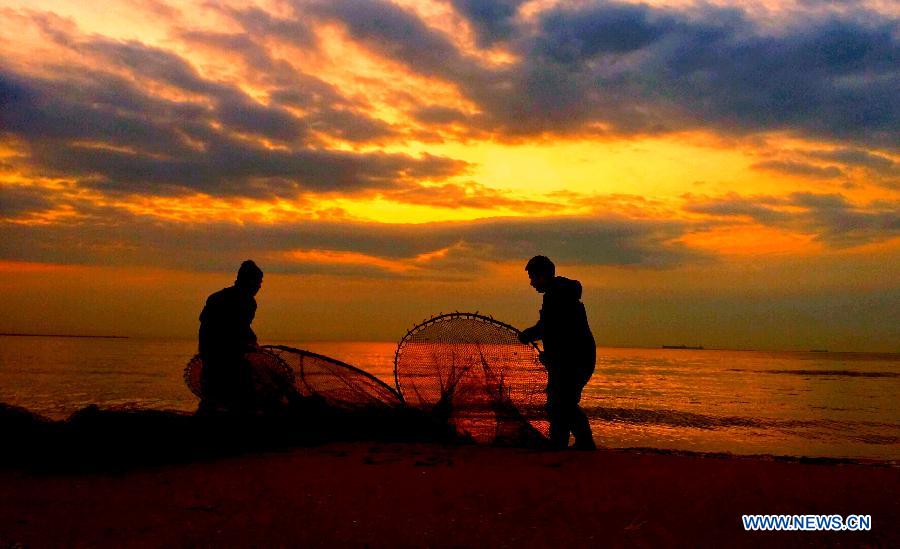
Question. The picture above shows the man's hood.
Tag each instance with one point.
(566, 288)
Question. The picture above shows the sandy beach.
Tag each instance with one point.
(418, 494)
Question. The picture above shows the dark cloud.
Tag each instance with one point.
(233, 107)
(734, 205)
(829, 217)
(138, 240)
(596, 67)
(631, 68)
(255, 56)
(286, 84)
(237, 168)
(109, 131)
(842, 224)
(350, 126)
(645, 69)
(16, 200)
(831, 78)
(97, 107)
(799, 168)
(258, 22)
(492, 20)
(876, 163)
(401, 36)
(569, 35)
(328, 111)
(151, 63)
(436, 114)
(245, 115)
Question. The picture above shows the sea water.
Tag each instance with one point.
(814, 404)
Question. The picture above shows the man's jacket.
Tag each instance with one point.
(563, 327)
(225, 323)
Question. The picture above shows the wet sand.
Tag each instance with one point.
(420, 494)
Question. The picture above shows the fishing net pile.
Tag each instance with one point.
(465, 369)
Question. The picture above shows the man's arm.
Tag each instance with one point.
(534, 333)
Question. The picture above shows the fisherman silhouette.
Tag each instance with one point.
(225, 339)
(569, 353)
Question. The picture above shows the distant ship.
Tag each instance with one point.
(696, 348)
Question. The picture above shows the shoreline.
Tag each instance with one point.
(113, 478)
(389, 494)
(819, 460)
(31, 428)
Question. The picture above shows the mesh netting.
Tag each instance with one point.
(192, 376)
(338, 384)
(268, 373)
(472, 370)
(466, 369)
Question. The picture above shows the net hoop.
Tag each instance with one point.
(473, 372)
(441, 318)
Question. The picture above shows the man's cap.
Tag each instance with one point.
(249, 271)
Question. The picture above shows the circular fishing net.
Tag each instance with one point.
(273, 368)
(337, 383)
(269, 374)
(472, 371)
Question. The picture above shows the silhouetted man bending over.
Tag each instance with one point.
(569, 352)
(225, 338)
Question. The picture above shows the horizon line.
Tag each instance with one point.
(90, 336)
(300, 340)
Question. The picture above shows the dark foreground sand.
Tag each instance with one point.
(417, 494)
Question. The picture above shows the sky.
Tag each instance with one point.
(714, 173)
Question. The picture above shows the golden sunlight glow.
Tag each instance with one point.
(331, 257)
(753, 240)
(795, 211)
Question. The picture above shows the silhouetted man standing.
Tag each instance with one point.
(569, 352)
(225, 338)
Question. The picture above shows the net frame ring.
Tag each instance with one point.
(442, 317)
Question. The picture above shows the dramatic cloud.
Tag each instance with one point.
(799, 168)
(136, 119)
(492, 20)
(142, 119)
(830, 218)
(633, 68)
(423, 249)
(447, 140)
(17, 200)
(879, 169)
(107, 130)
(859, 157)
(258, 22)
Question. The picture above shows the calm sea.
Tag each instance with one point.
(744, 402)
